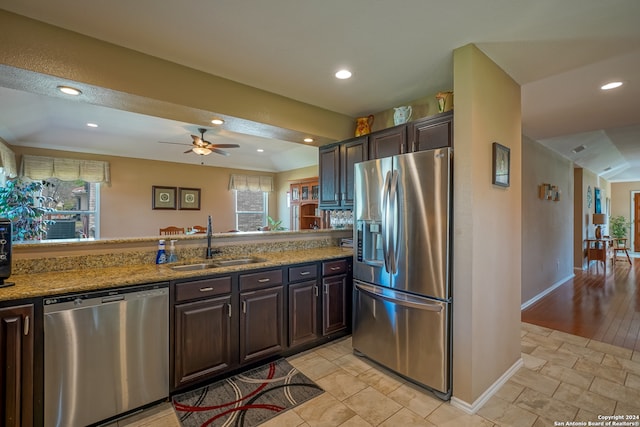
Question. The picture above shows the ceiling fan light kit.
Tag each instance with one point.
(202, 147)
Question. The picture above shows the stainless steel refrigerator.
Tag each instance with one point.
(401, 269)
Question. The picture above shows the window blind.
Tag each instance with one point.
(40, 167)
(8, 160)
(250, 183)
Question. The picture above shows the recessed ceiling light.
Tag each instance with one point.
(308, 140)
(69, 90)
(92, 125)
(343, 74)
(611, 85)
(260, 150)
(217, 121)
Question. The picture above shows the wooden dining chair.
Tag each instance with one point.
(198, 229)
(620, 245)
(171, 230)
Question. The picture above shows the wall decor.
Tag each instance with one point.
(163, 197)
(189, 199)
(597, 199)
(589, 197)
(501, 165)
(549, 192)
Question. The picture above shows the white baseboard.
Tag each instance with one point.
(546, 291)
(484, 397)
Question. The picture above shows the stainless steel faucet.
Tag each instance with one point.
(209, 252)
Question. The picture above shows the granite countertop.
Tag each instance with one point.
(83, 280)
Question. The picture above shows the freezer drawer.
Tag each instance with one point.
(405, 333)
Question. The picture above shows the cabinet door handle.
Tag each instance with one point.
(335, 197)
(229, 309)
(244, 307)
(207, 289)
(326, 289)
(334, 268)
(265, 280)
(26, 325)
(315, 288)
(305, 273)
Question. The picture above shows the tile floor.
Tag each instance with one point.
(564, 378)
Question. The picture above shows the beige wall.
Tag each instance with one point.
(547, 226)
(487, 226)
(125, 206)
(282, 185)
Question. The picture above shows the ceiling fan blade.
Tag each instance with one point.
(188, 151)
(174, 143)
(222, 146)
(198, 141)
(218, 151)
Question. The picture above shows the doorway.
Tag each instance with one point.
(635, 221)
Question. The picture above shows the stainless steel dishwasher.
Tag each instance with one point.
(105, 353)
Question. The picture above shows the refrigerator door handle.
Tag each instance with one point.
(395, 219)
(398, 298)
(385, 219)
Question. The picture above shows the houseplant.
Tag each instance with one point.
(23, 203)
(618, 226)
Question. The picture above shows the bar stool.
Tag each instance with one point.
(171, 230)
(620, 245)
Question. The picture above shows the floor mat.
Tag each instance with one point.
(247, 399)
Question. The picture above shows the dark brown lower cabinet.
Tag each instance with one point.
(202, 339)
(16, 366)
(334, 304)
(303, 313)
(261, 323)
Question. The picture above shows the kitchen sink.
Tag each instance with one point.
(217, 264)
(238, 261)
(191, 267)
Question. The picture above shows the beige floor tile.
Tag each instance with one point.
(373, 406)
(627, 409)
(624, 364)
(540, 330)
(555, 357)
(509, 391)
(356, 421)
(315, 367)
(161, 415)
(532, 362)
(586, 415)
(287, 419)
(636, 356)
(504, 413)
(613, 374)
(341, 384)
(585, 399)
(535, 381)
(633, 381)
(567, 375)
(324, 410)
(623, 353)
(448, 416)
(546, 406)
(543, 422)
(405, 417)
(382, 380)
(571, 339)
(582, 352)
(615, 391)
(353, 364)
(333, 352)
(542, 340)
(527, 347)
(416, 399)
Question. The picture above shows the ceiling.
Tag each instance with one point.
(560, 52)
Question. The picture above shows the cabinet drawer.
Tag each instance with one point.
(261, 279)
(305, 272)
(203, 288)
(329, 268)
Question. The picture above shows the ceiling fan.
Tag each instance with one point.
(203, 147)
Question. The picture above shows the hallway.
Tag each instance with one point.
(596, 304)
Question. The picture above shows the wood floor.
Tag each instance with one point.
(594, 304)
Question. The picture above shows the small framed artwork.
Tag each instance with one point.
(163, 197)
(501, 165)
(189, 199)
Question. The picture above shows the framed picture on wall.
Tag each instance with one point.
(189, 199)
(598, 200)
(501, 165)
(163, 197)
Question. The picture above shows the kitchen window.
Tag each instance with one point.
(251, 209)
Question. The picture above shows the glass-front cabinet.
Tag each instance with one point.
(303, 195)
